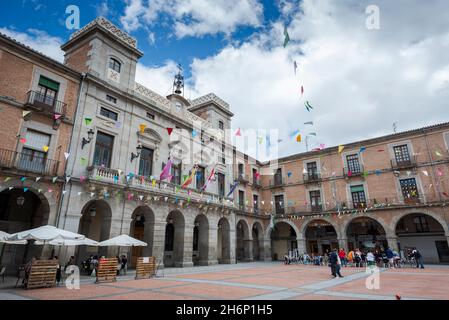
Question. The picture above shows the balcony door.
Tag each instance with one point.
(312, 170)
(279, 203)
(103, 150)
(402, 155)
(146, 162)
(315, 200)
(46, 91)
(33, 158)
(221, 184)
(353, 163)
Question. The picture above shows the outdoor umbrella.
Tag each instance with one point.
(45, 234)
(4, 236)
(70, 242)
(122, 241)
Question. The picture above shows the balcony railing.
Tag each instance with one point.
(404, 164)
(104, 174)
(354, 172)
(243, 178)
(45, 104)
(28, 162)
(256, 183)
(312, 177)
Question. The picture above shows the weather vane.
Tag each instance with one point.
(178, 84)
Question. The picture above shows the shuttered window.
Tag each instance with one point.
(48, 83)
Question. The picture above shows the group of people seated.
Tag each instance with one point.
(29, 264)
(90, 265)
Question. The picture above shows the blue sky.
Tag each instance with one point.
(359, 80)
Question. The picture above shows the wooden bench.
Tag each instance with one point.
(107, 270)
(42, 274)
(145, 267)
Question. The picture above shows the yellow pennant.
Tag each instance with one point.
(142, 128)
(340, 148)
(46, 148)
(298, 138)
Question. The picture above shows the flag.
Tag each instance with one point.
(45, 148)
(438, 153)
(362, 149)
(238, 133)
(169, 130)
(66, 155)
(295, 66)
(298, 138)
(308, 106)
(57, 116)
(425, 173)
(340, 148)
(189, 179)
(309, 122)
(142, 128)
(286, 37)
(212, 173)
(25, 113)
(194, 133)
(88, 121)
(236, 183)
(166, 171)
(23, 140)
(83, 161)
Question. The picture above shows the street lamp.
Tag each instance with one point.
(90, 136)
(139, 151)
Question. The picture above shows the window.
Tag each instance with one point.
(241, 173)
(200, 177)
(220, 125)
(241, 199)
(278, 177)
(33, 158)
(279, 204)
(254, 176)
(169, 237)
(221, 184)
(401, 154)
(150, 116)
(421, 224)
(353, 163)
(109, 114)
(111, 99)
(103, 150)
(115, 65)
(358, 196)
(315, 200)
(46, 91)
(146, 162)
(312, 170)
(409, 189)
(176, 173)
(223, 158)
(256, 203)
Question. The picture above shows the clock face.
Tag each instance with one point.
(178, 106)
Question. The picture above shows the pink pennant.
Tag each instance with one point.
(23, 140)
(82, 179)
(238, 133)
(169, 130)
(130, 196)
(57, 116)
(439, 172)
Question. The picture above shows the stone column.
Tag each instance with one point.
(265, 250)
(248, 249)
(186, 259)
(393, 242)
(212, 248)
(159, 242)
(302, 246)
(232, 244)
(343, 243)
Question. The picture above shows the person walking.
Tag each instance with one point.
(335, 264)
(390, 257)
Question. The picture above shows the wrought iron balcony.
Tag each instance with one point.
(403, 164)
(243, 178)
(28, 162)
(45, 104)
(312, 177)
(354, 172)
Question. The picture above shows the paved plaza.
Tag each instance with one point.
(253, 281)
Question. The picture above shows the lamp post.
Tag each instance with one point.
(136, 155)
(90, 136)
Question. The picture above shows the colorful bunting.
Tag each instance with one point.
(142, 128)
(425, 173)
(23, 140)
(25, 189)
(289, 174)
(7, 179)
(83, 161)
(194, 133)
(23, 179)
(308, 106)
(238, 133)
(82, 179)
(57, 116)
(212, 174)
(169, 130)
(362, 149)
(38, 178)
(54, 179)
(66, 155)
(439, 172)
(45, 148)
(377, 172)
(166, 171)
(87, 121)
(340, 148)
(25, 113)
(438, 153)
(298, 138)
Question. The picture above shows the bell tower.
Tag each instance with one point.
(178, 83)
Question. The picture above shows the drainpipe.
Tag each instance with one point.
(83, 77)
(432, 165)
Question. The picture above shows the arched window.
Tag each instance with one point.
(115, 65)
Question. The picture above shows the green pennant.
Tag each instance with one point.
(88, 121)
(83, 161)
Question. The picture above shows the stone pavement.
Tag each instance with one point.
(253, 281)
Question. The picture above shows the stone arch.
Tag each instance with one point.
(200, 250)
(284, 238)
(320, 235)
(243, 241)
(23, 210)
(95, 223)
(174, 239)
(224, 241)
(142, 228)
(366, 232)
(425, 231)
(304, 226)
(258, 240)
(395, 220)
(270, 228)
(382, 222)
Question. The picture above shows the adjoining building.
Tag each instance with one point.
(214, 204)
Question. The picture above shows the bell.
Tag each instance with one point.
(178, 91)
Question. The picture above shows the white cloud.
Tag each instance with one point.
(359, 81)
(102, 9)
(194, 17)
(38, 40)
(157, 78)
